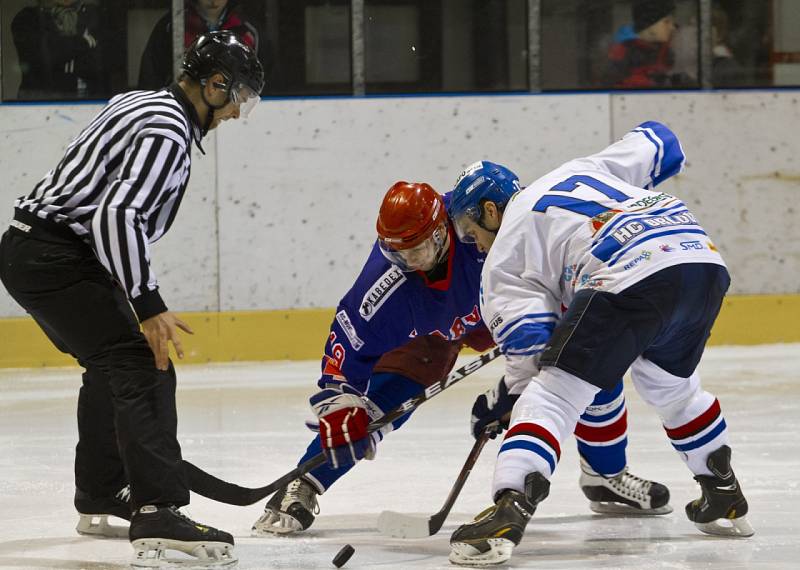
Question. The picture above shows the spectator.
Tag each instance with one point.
(201, 16)
(642, 57)
(60, 50)
(726, 71)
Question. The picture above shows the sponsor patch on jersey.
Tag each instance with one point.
(380, 291)
(629, 231)
(642, 257)
(495, 322)
(691, 245)
(602, 219)
(665, 247)
(349, 330)
(648, 201)
(572, 274)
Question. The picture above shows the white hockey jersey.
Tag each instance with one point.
(594, 222)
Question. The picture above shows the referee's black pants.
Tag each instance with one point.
(127, 421)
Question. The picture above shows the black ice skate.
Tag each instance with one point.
(722, 508)
(290, 509)
(494, 533)
(94, 513)
(155, 530)
(624, 493)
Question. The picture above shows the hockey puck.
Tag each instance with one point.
(343, 555)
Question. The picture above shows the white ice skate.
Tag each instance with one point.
(623, 494)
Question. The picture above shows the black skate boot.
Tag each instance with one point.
(290, 509)
(722, 508)
(494, 533)
(154, 530)
(94, 513)
(624, 493)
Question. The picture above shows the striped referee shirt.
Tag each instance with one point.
(120, 183)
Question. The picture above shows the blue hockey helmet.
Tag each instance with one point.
(480, 182)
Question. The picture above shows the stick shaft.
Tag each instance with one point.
(437, 519)
(205, 484)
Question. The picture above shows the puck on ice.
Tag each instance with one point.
(343, 556)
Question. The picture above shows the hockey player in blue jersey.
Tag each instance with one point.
(398, 330)
(647, 284)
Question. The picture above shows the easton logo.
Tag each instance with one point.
(380, 291)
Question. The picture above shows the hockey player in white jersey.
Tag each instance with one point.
(647, 286)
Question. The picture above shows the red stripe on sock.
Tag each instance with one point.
(603, 433)
(698, 424)
(536, 430)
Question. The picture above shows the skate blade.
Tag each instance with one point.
(272, 523)
(739, 527)
(609, 508)
(152, 553)
(463, 554)
(98, 526)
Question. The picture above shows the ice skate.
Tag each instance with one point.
(291, 509)
(722, 508)
(494, 533)
(94, 513)
(156, 530)
(623, 494)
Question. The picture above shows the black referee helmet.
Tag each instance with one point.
(222, 52)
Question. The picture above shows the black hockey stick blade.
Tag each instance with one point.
(205, 484)
(401, 525)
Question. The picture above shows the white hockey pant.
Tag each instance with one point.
(544, 416)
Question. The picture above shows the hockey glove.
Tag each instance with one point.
(493, 406)
(343, 422)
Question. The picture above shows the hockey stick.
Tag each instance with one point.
(402, 525)
(207, 485)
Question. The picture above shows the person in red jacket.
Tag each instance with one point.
(644, 59)
(202, 16)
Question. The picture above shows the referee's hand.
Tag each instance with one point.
(159, 331)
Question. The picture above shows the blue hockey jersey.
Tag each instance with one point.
(385, 308)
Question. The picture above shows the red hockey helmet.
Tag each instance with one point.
(412, 226)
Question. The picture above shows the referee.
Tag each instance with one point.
(76, 257)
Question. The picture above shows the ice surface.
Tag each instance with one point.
(244, 422)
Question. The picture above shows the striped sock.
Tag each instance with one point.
(699, 431)
(602, 431)
(527, 447)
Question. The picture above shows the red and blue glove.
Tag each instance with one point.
(343, 421)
